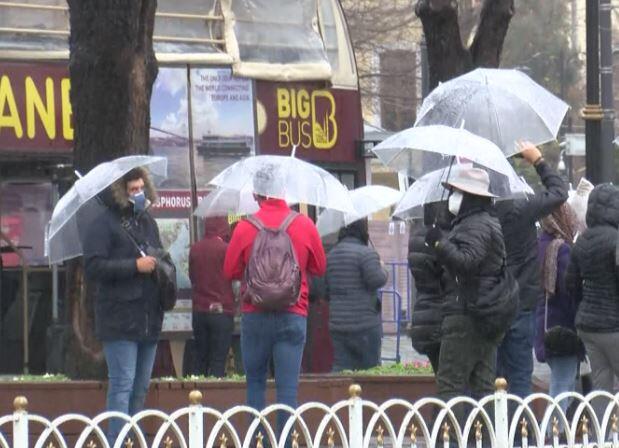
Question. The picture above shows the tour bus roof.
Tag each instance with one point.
(280, 41)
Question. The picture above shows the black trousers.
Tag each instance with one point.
(212, 333)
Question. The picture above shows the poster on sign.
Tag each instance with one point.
(169, 132)
(222, 114)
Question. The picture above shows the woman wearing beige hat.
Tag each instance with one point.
(474, 255)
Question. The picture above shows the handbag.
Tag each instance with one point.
(165, 270)
(495, 310)
(559, 340)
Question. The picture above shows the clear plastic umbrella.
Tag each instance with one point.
(62, 234)
(502, 105)
(418, 151)
(366, 200)
(224, 201)
(288, 178)
(430, 189)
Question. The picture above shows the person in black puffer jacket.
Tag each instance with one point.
(474, 255)
(592, 278)
(518, 221)
(432, 285)
(128, 314)
(354, 275)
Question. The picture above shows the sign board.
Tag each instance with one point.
(35, 108)
(575, 144)
(324, 124)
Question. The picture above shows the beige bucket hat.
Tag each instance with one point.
(474, 181)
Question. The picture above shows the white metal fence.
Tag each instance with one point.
(498, 420)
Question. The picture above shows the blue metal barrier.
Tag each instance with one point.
(398, 297)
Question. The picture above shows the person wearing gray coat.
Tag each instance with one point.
(354, 275)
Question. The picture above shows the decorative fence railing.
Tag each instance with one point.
(498, 420)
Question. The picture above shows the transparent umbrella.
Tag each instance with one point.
(418, 151)
(224, 201)
(288, 178)
(366, 200)
(429, 188)
(62, 234)
(502, 105)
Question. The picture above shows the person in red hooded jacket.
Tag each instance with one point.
(274, 335)
(212, 296)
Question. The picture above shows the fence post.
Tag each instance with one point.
(20, 422)
(196, 422)
(355, 416)
(501, 416)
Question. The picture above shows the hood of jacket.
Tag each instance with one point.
(216, 226)
(120, 198)
(603, 206)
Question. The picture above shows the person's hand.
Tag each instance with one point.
(146, 264)
(529, 152)
(434, 235)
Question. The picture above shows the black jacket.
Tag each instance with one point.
(473, 254)
(518, 219)
(433, 286)
(591, 273)
(354, 275)
(126, 301)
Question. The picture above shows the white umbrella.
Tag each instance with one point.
(62, 234)
(366, 201)
(504, 106)
(288, 178)
(429, 189)
(418, 151)
(224, 201)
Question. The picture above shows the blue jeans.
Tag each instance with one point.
(515, 354)
(278, 336)
(129, 365)
(563, 371)
(356, 350)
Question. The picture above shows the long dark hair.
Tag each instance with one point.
(357, 229)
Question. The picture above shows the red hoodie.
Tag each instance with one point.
(206, 261)
(305, 241)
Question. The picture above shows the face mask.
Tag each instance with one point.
(455, 202)
(139, 201)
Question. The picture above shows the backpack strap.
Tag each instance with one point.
(253, 220)
(287, 221)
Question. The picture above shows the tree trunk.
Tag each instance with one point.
(112, 68)
(448, 57)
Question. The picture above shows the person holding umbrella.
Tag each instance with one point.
(354, 275)
(261, 252)
(433, 284)
(518, 220)
(473, 253)
(128, 314)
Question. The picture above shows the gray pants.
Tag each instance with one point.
(604, 357)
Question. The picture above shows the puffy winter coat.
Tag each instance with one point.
(354, 275)
(518, 219)
(126, 301)
(474, 254)
(432, 285)
(592, 273)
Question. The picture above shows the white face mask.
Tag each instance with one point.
(455, 202)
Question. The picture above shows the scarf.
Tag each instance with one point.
(561, 225)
